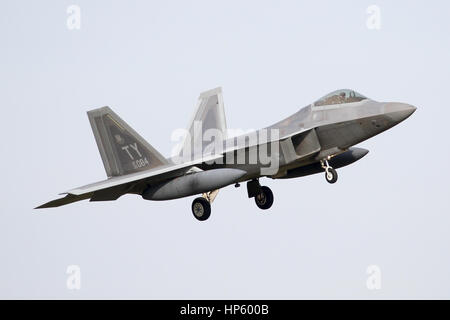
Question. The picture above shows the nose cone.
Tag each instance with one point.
(399, 111)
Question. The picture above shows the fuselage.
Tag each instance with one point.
(318, 138)
(321, 130)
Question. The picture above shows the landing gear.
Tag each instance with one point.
(330, 174)
(201, 208)
(262, 194)
(264, 199)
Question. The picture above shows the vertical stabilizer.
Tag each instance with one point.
(208, 126)
(122, 149)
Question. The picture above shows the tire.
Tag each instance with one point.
(331, 175)
(201, 209)
(264, 199)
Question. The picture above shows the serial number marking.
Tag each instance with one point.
(140, 163)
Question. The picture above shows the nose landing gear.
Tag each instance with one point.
(330, 174)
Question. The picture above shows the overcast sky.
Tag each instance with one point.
(149, 61)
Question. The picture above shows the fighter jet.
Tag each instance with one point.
(318, 138)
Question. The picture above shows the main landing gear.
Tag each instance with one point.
(330, 174)
(262, 194)
(264, 199)
(201, 206)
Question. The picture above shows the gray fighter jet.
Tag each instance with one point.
(318, 138)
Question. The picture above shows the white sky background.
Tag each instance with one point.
(149, 61)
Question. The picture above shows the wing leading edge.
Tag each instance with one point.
(113, 188)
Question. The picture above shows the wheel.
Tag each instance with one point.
(201, 208)
(264, 199)
(331, 175)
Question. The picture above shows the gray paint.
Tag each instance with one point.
(122, 149)
(312, 134)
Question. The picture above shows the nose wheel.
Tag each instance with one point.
(330, 174)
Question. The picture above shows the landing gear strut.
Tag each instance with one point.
(262, 194)
(330, 174)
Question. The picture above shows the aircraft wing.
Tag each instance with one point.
(113, 188)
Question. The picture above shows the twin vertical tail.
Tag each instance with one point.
(208, 122)
(122, 149)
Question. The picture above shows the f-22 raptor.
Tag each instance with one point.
(318, 138)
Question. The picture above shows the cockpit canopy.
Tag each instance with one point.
(339, 97)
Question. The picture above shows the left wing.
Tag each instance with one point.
(113, 188)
